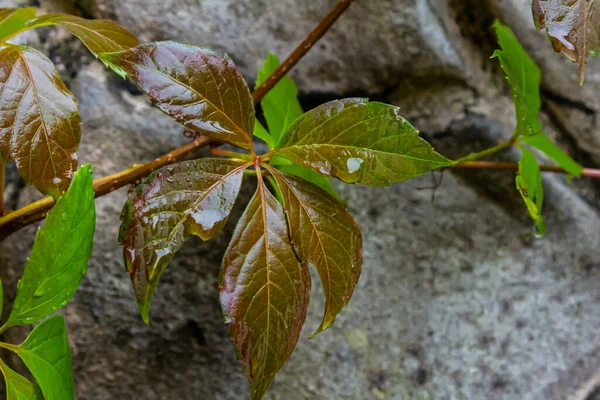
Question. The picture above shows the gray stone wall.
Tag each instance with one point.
(455, 301)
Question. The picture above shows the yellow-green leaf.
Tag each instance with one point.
(541, 142)
(280, 105)
(47, 354)
(529, 184)
(13, 20)
(60, 254)
(17, 386)
(99, 35)
(359, 142)
(524, 78)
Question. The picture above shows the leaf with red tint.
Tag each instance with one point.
(99, 35)
(359, 142)
(192, 84)
(324, 234)
(40, 126)
(264, 291)
(174, 203)
(573, 27)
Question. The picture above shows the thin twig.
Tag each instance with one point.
(36, 211)
(589, 172)
(301, 50)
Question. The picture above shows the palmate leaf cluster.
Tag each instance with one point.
(294, 221)
(264, 283)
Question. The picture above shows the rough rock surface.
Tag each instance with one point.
(455, 302)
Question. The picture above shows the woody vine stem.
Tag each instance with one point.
(15, 220)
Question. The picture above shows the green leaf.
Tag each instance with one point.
(60, 254)
(573, 27)
(172, 204)
(280, 105)
(524, 78)
(98, 35)
(47, 354)
(13, 20)
(529, 184)
(1, 298)
(264, 291)
(261, 133)
(40, 126)
(543, 143)
(204, 92)
(359, 142)
(17, 386)
(324, 234)
(308, 174)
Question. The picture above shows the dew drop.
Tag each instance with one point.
(354, 164)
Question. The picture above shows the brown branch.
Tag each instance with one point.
(590, 172)
(301, 50)
(36, 211)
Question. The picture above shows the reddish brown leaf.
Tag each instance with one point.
(99, 35)
(359, 142)
(201, 90)
(325, 234)
(264, 291)
(573, 27)
(40, 126)
(175, 202)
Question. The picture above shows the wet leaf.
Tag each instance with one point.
(324, 234)
(264, 291)
(201, 90)
(573, 27)
(524, 78)
(17, 386)
(308, 174)
(529, 184)
(172, 204)
(47, 354)
(13, 20)
(99, 35)
(543, 143)
(40, 126)
(280, 105)
(359, 142)
(60, 254)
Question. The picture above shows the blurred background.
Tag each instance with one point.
(456, 300)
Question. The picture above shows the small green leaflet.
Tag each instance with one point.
(261, 133)
(13, 20)
(524, 78)
(98, 35)
(60, 254)
(529, 184)
(280, 105)
(17, 386)
(281, 108)
(47, 354)
(543, 143)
